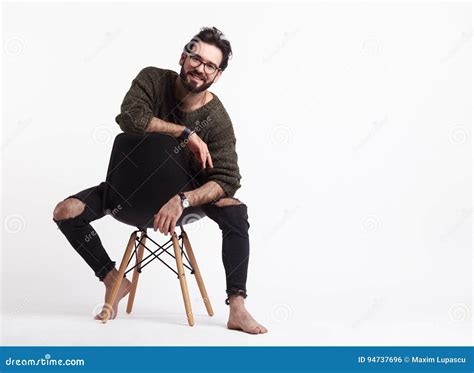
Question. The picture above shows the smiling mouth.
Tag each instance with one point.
(196, 77)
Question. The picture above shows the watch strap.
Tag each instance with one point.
(183, 197)
(185, 134)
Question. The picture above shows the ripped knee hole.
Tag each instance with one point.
(228, 201)
(69, 208)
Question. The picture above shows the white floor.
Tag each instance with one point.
(156, 325)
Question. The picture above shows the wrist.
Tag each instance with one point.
(186, 134)
(151, 127)
(184, 199)
(179, 131)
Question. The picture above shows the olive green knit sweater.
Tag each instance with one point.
(151, 94)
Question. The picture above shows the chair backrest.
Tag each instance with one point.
(144, 172)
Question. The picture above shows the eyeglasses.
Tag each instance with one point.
(209, 68)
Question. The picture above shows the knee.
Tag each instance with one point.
(234, 218)
(69, 208)
(228, 201)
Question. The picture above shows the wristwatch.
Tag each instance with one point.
(184, 200)
(185, 134)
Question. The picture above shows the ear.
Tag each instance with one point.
(182, 59)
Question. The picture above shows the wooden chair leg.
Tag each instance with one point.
(123, 266)
(197, 273)
(136, 273)
(182, 280)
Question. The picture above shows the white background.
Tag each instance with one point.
(353, 126)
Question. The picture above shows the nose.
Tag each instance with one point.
(200, 69)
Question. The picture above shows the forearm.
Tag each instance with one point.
(206, 193)
(160, 125)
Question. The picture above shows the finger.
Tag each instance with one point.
(162, 225)
(198, 156)
(173, 226)
(209, 160)
(159, 223)
(155, 222)
(166, 225)
(203, 158)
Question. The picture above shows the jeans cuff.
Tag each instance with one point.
(237, 292)
(105, 269)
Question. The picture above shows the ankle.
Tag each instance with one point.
(110, 277)
(236, 297)
(236, 302)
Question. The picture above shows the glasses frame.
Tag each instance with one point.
(206, 64)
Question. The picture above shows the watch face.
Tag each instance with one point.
(185, 203)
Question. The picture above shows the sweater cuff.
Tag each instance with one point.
(128, 124)
(229, 190)
(146, 121)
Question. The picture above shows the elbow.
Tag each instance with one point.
(229, 187)
(128, 124)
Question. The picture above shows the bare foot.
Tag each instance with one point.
(124, 289)
(241, 319)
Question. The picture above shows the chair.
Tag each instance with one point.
(144, 172)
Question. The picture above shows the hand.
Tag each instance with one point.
(165, 220)
(200, 150)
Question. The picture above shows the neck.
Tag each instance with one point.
(188, 99)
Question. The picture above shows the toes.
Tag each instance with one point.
(255, 329)
(247, 327)
(259, 329)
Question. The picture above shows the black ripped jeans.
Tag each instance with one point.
(232, 220)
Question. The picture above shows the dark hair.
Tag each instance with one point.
(211, 35)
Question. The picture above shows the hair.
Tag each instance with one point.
(212, 36)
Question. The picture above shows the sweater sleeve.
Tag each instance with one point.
(138, 104)
(222, 147)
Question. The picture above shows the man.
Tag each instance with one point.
(160, 100)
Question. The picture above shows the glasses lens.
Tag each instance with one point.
(209, 69)
(194, 61)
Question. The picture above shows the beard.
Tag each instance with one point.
(192, 86)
